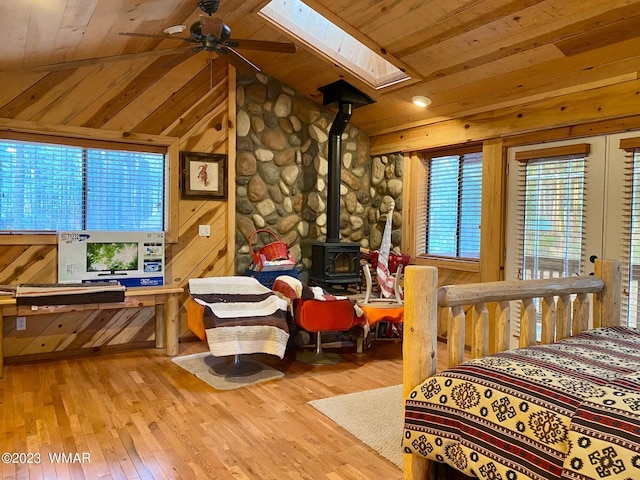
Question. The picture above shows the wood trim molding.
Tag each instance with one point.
(493, 213)
(446, 264)
(613, 108)
(23, 129)
(630, 144)
(8, 125)
(576, 149)
(231, 173)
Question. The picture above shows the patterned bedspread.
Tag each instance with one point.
(511, 415)
(241, 316)
(604, 437)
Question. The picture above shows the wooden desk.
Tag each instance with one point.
(167, 323)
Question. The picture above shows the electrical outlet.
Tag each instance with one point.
(21, 323)
(204, 230)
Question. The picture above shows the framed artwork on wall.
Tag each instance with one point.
(204, 175)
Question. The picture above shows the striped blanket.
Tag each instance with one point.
(538, 413)
(241, 316)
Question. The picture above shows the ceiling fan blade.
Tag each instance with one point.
(211, 25)
(163, 37)
(264, 45)
(112, 58)
(238, 61)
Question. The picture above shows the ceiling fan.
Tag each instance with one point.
(209, 34)
(213, 35)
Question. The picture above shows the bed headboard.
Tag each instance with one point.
(565, 307)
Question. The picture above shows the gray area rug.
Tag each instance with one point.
(373, 416)
(199, 364)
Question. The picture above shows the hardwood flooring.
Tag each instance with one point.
(137, 415)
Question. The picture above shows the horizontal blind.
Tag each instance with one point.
(41, 187)
(631, 235)
(552, 228)
(551, 220)
(470, 200)
(125, 191)
(421, 176)
(454, 197)
(52, 187)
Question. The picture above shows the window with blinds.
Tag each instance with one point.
(50, 187)
(551, 220)
(549, 215)
(631, 233)
(453, 205)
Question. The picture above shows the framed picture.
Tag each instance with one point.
(204, 175)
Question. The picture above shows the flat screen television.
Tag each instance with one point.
(112, 257)
(133, 259)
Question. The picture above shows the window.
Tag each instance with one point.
(554, 207)
(571, 200)
(453, 200)
(329, 40)
(551, 214)
(631, 225)
(47, 187)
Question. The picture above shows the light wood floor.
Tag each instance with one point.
(140, 416)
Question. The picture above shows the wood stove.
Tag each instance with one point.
(335, 262)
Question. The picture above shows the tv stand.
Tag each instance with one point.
(165, 299)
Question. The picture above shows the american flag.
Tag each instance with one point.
(385, 279)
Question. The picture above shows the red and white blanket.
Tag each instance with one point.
(291, 288)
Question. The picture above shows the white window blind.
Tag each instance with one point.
(453, 200)
(550, 213)
(631, 233)
(50, 187)
(551, 226)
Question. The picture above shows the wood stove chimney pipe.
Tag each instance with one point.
(335, 168)
(347, 97)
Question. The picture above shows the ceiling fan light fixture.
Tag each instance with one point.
(209, 6)
(175, 29)
(421, 101)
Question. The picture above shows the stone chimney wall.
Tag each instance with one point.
(386, 189)
(281, 174)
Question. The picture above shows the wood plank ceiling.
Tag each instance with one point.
(468, 56)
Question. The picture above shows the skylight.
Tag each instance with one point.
(332, 42)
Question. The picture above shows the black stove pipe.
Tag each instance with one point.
(345, 109)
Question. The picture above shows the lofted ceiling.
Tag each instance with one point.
(468, 56)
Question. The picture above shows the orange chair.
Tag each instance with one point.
(317, 316)
(379, 310)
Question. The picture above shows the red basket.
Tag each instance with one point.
(397, 260)
(394, 260)
(277, 250)
(373, 258)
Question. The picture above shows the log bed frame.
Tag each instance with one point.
(560, 319)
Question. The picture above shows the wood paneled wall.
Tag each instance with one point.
(601, 110)
(192, 104)
(606, 109)
(193, 109)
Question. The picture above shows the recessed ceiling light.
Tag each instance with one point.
(175, 29)
(421, 101)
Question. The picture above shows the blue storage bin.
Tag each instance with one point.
(267, 278)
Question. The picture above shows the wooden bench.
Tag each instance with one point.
(166, 318)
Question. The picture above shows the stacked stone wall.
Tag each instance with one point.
(281, 175)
